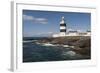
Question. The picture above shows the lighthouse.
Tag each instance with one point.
(64, 32)
(62, 27)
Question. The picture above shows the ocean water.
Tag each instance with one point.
(33, 52)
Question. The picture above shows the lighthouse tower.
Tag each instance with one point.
(62, 27)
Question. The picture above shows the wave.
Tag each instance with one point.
(48, 44)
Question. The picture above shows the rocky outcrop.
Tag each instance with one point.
(81, 43)
(83, 46)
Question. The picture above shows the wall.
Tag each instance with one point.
(5, 35)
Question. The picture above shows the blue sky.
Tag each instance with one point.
(46, 23)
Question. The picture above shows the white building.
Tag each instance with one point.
(64, 32)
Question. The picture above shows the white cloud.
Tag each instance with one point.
(79, 30)
(44, 33)
(27, 17)
(35, 20)
(41, 20)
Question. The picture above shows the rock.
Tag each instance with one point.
(82, 46)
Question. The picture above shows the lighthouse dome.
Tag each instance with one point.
(62, 20)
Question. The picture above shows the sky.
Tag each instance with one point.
(46, 23)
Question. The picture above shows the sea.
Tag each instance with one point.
(33, 52)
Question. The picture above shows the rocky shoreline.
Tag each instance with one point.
(79, 44)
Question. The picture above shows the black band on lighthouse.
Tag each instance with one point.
(63, 24)
(62, 30)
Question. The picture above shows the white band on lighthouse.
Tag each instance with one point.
(63, 27)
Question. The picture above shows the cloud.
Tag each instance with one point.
(78, 30)
(35, 20)
(44, 33)
(26, 17)
(41, 20)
